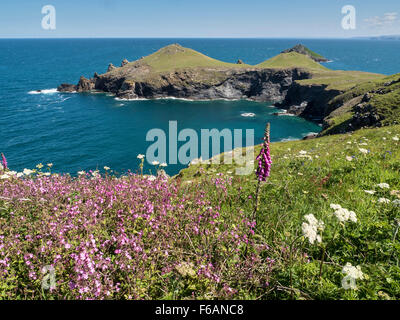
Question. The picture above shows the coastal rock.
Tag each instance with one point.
(310, 136)
(299, 48)
(239, 62)
(124, 62)
(66, 87)
(111, 67)
(85, 85)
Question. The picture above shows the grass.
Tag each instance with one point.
(384, 102)
(292, 60)
(193, 237)
(301, 184)
(174, 57)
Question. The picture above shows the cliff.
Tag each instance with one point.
(294, 80)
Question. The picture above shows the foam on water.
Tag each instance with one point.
(44, 91)
(248, 114)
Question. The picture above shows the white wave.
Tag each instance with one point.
(125, 99)
(44, 91)
(249, 114)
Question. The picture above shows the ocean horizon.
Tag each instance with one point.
(88, 131)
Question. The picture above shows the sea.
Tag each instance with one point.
(79, 131)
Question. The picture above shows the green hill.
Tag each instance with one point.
(291, 60)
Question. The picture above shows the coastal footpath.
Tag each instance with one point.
(294, 80)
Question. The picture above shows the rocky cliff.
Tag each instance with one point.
(292, 80)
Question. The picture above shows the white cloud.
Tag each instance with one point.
(387, 19)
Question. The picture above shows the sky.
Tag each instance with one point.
(198, 19)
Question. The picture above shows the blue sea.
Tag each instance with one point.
(88, 131)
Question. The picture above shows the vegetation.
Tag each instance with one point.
(193, 236)
(383, 95)
(292, 60)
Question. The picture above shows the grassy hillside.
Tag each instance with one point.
(291, 60)
(377, 99)
(193, 236)
(307, 177)
(177, 57)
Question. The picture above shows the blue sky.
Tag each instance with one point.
(200, 18)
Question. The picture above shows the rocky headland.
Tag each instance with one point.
(294, 80)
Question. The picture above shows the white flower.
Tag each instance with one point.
(383, 200)
(140, 156)
(1, 167)
(155, 163)
(396, 138)
(13, 173)
(354, 272)
(344, 215)
(27, 172)
(106, 168)
(302, 152)
(362, 150)
(349, 283)
(396, 202)
(310, 229)
(46, 174)
(163, 164)
(81, 173)
(4, 176)
(370, 191)
(348, 158)
(95, 173)
(20, 174)
(363, 144)
(383, 185)
(335, 206)
(151, 178)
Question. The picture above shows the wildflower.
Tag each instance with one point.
(344, 215)
(264, 158)
(370, 191)
(348, 158)
(302, 152)
(383, 200)
(27, 172)
(163, 164)
(1, 167)
(155, 163)
(352, 274)
(362, 150)
(140, 156)
(4, 176)
(383, 185)
(4, 161)
(151, 178)
(20, 174)
(81, 173)
(335, 206)
(310, 229)
(49, 165)
(106, 168)
(396, 138)
(396, 203)
(186, 269)
(395, 193)
(39, 166)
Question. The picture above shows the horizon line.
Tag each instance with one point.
(233, 38)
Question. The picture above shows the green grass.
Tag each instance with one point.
(291, 60)
(304, 184)
(175, 57)
(385, 102)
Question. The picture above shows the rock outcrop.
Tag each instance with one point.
(203, 78)
(299, 48)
